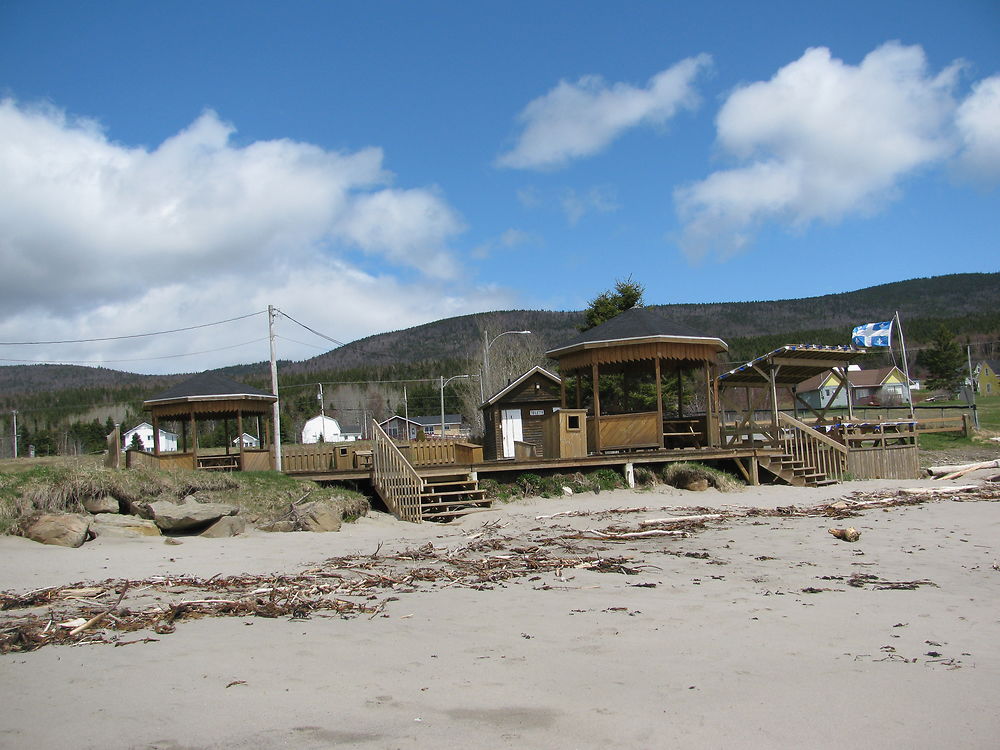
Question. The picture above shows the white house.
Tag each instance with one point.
(144, 431)
(324, 429)
(249, 441)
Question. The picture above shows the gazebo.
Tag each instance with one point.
(630, 365)
(210, 396)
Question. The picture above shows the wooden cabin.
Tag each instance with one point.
(517, 415)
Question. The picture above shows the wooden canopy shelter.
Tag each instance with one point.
(773, 374)
(209, 396)
(642, 347)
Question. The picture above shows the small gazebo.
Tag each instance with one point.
(630, 364)
(210, 396)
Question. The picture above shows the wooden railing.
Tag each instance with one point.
(395, 480)
(621, 431)
(814, 449)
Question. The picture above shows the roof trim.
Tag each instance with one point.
(536, 369)
(658, 339)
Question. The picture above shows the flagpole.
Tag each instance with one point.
(906, 366)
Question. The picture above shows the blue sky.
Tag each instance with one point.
(371, 166)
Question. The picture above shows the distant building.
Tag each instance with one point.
(249, 441)
(987, 377)
(144, 433)
(322, 429)
(885, 386)
(403, 429)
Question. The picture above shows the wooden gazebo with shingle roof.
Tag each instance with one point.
(210, 396)
(635, 352)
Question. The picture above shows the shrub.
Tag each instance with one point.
(682, 473)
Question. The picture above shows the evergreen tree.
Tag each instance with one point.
(943, 361)
(606, 305)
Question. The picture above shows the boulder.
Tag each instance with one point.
(108, 525)
(696, 485)
(185, 516)
(63, 529)
(281, 525)
(225, 526)
(320, 516)
(102, 504)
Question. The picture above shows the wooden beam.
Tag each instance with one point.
(659, 396)
(596, 375)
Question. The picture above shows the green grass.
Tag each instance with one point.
(940, 441)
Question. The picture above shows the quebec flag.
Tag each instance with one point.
(872, 334)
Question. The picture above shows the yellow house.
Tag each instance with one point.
(885, 386)
(988, 377)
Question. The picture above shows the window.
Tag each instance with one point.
(572, 421)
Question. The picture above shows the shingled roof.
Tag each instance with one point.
(635, 324)
(208, 386)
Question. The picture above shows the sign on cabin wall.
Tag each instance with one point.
(537, 413)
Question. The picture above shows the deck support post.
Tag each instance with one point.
(752, 471)
(156, 436)
(630, 475)
(659, 402)
(596, 376)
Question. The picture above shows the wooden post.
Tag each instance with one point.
(194, 439)
(659, 402)
(156, 435)
(239, 433)
(184, 436)
(562, 392)
(596, 375)
(579, 390)
(713, 411)
(680, 393)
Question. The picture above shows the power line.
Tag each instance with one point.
(313, 330)
(135, 359)
(130, 336)
(303, 343)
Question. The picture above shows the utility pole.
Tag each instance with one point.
(14, 412)
(322, 411)
(276, 413)
(406, 413)
(972, 386)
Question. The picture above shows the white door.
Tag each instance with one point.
(510, 428)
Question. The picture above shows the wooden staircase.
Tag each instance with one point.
(809, 458)
(411, 497)
(447, 497)
(795, 471)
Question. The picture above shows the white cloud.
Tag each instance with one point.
(822, 139)
(576, 205)
(97, 238)
(508, 239)
(978, 122)
(579, 119)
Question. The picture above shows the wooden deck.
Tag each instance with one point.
(583, 463)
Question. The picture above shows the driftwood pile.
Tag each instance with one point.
(343, 587)
(114, 611)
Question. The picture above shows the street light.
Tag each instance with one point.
(487, 343)
(443, 384)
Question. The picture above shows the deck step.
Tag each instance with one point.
(453, 513)
(431, 495)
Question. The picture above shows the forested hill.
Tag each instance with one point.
(969, 304)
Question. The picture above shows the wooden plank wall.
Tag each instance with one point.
(888, 462)
(627, 430)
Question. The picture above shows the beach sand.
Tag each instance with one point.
(747, 633)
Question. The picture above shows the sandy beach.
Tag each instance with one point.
(756, 630)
